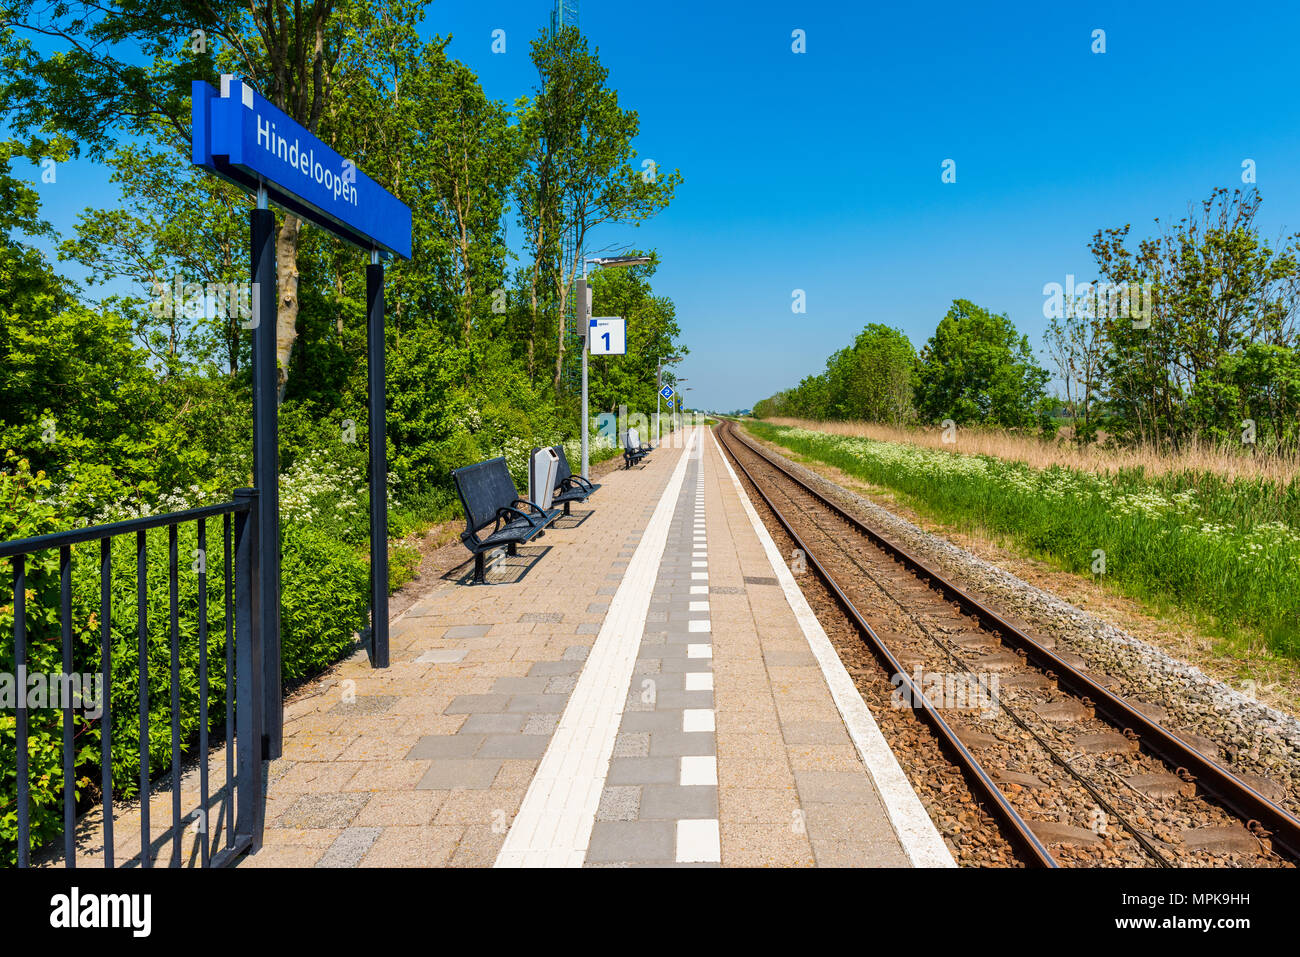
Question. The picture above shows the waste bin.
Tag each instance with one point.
(543, 466)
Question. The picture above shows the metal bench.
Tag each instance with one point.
(570, 488)
(490, 499)
(634, 450)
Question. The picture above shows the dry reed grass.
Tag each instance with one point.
(1230, 463)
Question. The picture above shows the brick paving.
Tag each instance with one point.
(427, 763)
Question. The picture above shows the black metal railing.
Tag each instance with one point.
(237, 825)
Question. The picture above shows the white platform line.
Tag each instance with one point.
(917, 834)
(553, 826)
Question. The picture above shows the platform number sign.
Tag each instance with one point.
(667, 392)
(608, 336)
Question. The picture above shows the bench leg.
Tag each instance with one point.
(566, 507)
(512, 549)
(480, 576)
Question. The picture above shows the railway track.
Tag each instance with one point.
(1070, 773)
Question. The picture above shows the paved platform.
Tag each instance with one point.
(638, 687)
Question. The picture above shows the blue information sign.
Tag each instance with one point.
(666, 392)
(242, 137)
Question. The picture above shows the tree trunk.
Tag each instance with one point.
(286, 313)
(559, 340)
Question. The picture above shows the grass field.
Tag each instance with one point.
(1218, 546)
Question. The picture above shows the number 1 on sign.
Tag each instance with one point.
(608, 336)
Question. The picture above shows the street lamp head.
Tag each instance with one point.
(608, 261)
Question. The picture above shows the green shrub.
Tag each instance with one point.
(403, 563)
(23, 514)
(323, 601)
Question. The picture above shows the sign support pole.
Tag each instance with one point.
(585, 460)
(659, 384)
(378, 433)
(266, 468)
(584, 322)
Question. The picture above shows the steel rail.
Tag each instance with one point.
(1016, 828)
(1263, 817)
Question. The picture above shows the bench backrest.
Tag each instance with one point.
(483, 488)
(633, 440)
(562, 471)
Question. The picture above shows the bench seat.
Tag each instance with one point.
(570, 488)
(491, 501)
(517, 532)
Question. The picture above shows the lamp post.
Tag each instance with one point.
(585, 319)
(659, 384)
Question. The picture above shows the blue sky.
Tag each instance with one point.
(821, 171)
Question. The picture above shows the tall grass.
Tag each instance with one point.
(1223, 546)
(1228, 462)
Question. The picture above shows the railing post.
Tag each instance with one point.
(20, 711)
(378, 466)
(249, 687)
(266, 466)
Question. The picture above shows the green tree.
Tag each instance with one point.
(977, 368)
(1217, 288)
(1076, 343)
(125, 69)
(172, 227)
(580, 171)
(872, 380)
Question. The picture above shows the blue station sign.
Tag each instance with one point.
(244, 138)
(666, 392)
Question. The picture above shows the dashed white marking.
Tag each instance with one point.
(698, 719)
(698, 842)
(695, 606)
(699, 564)
(698, 624)
(699, 589)
(698, 770)
(699, 681)
(699, 651)
(699, 576)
